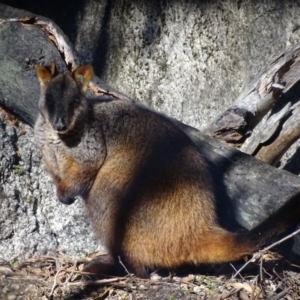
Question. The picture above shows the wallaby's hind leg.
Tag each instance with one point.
(101, 265)
(168, 251)
(104, 265)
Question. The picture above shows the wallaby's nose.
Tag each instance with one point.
(60, 125)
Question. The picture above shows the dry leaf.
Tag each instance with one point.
(188, 278)
(5, 271)
(250, 288)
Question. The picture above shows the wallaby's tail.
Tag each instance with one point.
(284, 219)
(220, 246)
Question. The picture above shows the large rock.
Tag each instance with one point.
(32, 221)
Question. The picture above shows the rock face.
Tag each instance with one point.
(189, 59)
(32, 221)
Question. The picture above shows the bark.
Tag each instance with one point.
(249, 190)
(284, 131)
(236, 123)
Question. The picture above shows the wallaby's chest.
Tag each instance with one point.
(83, 149)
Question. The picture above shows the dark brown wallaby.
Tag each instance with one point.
(147, 189)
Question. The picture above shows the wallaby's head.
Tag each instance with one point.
(62, 100)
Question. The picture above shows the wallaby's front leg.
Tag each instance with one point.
(71, 178)
(103, 205)
(77, 181)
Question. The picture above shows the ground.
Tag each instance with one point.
(59, 277)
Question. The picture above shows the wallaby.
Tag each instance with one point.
(147, 188)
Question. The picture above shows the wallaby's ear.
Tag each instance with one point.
(83, 76)
(45, 74)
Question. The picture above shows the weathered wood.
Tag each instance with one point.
(279, 131)
(237, 122)
(287, 132)
(266, 132)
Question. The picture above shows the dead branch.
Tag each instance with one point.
(282, 134)
(237, 122)
(258, 255)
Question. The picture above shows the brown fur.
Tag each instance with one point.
(147, 188)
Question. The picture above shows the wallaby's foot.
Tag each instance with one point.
(140, 271)
(100, 266)
(106, 265)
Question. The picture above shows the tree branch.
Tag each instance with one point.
(237, 122)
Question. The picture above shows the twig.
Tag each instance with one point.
(230, 293)
(282, 240)
(261, 270)
(278, 276)
(54, 283)
(253, 296)
(108, 291)
(121, 263)
(260, 253)
(280, 295)
(254, 257)
(71, 273)
(296, 266)
(236, 271)
(270, 275)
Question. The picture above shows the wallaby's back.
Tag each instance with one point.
(148, 190)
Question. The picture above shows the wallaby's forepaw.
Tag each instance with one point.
(64, 197)
(67, 201)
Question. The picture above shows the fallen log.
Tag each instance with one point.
(273, 92)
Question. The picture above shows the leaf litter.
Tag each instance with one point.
(60, 277)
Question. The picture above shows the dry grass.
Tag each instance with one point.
(59, 277)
